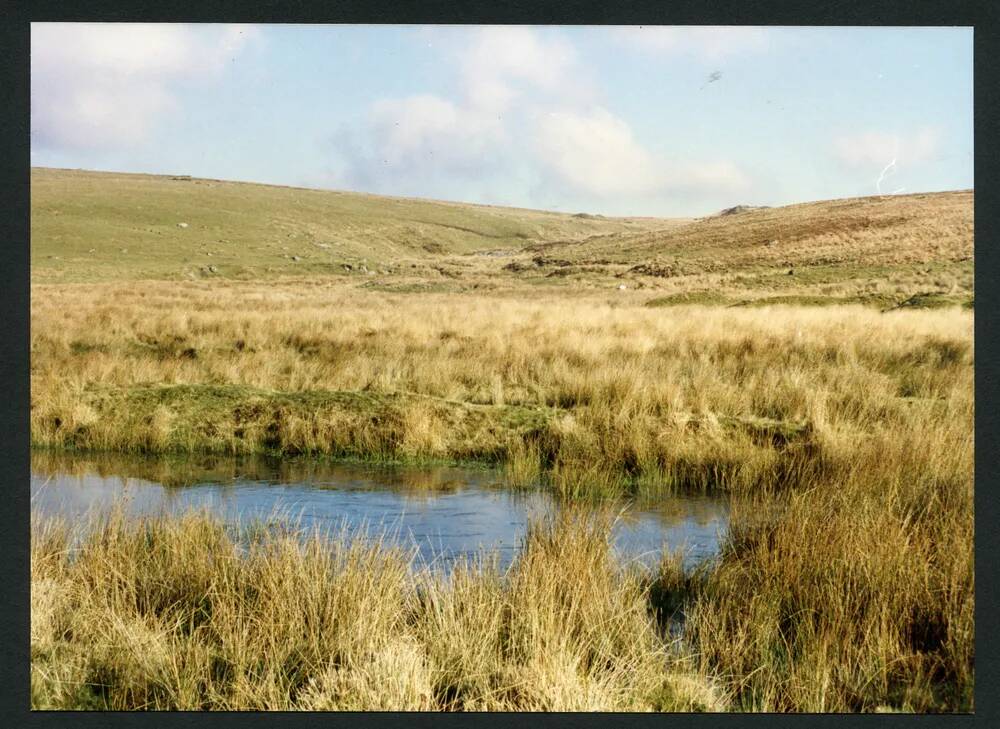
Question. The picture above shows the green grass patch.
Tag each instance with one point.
(701, 298)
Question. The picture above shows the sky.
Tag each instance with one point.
(636, 120)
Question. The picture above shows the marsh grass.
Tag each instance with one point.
(856, 594)
(584, 396)
(179, 613)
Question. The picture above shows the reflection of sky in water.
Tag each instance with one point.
(468, 513)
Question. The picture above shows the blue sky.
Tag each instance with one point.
(612, 120)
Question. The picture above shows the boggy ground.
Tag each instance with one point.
(844, 434)
(835, 405)
(594, 396)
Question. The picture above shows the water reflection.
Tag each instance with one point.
(445, 512)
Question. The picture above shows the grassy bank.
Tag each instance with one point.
(854, 594)
(592, 396)
(841, 600)
(171, 615)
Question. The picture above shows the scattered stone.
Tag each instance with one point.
(213, 269)
(348, 267)
(659, 270)
(622, 287)
(182, 225)
(92, 250)
(296, 258)
(323, 245)
(370, 273)
(771, 243)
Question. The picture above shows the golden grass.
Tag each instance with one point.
(179, 614)
(844, 434)
(856, 594)
(584, 391)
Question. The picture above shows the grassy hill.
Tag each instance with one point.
(89, 226)
(885, 252)
(855, 250)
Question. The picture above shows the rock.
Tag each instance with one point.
(622, 287)
(348, 267)
(791, 271)
(771, 243)
(213, 269)
(182, 225)
(296, 258)
(737, 209)
(92, 250)
(323, 245)
(370, 273)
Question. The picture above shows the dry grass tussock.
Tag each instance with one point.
(856, 594)
(181, 614)
(585, 393)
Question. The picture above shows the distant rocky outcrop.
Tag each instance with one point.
(737, 209)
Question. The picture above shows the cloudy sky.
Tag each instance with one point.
(613, 120)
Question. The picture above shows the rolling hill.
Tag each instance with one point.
(89, 226)
(882, 251)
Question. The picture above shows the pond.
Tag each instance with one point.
(445, 513)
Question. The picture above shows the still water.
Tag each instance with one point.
(444, 513)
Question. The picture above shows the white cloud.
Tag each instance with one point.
(108, 84)
(410, 140)
(415, 130)
(704, 41)
(500, 58)
(525, 110)
(595, 152)
(876, 149)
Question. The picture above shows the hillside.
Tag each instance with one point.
(881, 251)
(89, 226)
(872, 249)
